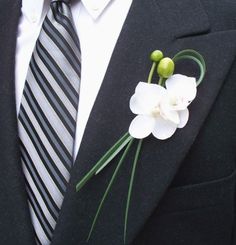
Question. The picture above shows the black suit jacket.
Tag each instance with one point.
(184, 189)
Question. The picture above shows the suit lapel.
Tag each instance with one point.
(165, 25)
(15, 225)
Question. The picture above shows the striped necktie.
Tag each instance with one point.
(47, 118)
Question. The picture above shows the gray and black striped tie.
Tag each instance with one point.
(47, 118)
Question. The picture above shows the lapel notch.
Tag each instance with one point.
(183, 18)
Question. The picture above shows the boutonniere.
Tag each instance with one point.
(160, 107)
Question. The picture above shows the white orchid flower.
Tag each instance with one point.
(161, 110)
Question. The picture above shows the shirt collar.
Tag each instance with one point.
(32, 10)
(95, 7)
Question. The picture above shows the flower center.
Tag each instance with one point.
(156, 111)
(178, 102)
(174, 101)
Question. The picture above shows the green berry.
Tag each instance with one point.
(156, 56)
(166, 67)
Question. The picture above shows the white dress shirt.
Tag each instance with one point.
(98, 24)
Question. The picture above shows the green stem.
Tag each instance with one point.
(131, 187)
(160, 82)
(154, 64)
(109, 187)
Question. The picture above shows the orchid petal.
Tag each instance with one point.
(163, 129)
(183, 115)
(155, 89)
(146, 97)
(141, 126)
(182, 86)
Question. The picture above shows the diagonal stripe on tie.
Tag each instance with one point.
(47, 118)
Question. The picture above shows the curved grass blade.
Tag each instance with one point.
(131, 187)
(109, 187)
(110, 154)
(195, 56)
